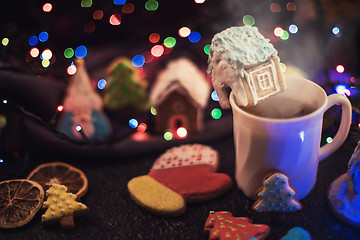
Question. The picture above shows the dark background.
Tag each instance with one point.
(110, 164)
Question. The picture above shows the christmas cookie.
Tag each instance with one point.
(276, 195)
(297, 233)
(222, 225)
(188, 171)
(61, 206)
(243, 61)
(344, 192)
(20, 200)
(155, 197)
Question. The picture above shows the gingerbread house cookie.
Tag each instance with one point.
(180, 94)
(243, 61)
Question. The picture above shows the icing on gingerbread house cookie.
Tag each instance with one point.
(222, 225)
(245, 62)
(180, 94)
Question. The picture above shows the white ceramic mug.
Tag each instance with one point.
(283, 133)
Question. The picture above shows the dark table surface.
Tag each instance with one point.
(113, 215)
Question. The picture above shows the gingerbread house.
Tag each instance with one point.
(253, 63)
(180, 94)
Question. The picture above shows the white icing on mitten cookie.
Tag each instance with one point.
(187, 155)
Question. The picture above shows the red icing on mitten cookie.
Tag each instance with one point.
(222, 225)
(188, 170)
(193, 182)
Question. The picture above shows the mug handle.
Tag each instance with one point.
(346, 112)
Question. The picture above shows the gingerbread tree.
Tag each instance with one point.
(125, 87)
(276, 195)
(61, 206)
(222, 225)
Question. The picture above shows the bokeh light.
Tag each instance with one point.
(46, 54)
(101, 84)
(214, 96)
(181, 132)
(138, 60)
(248, 20)
(60, 108)
(340, 68)
(98, 15)
(157, 50)
(119, 2)
(194, 37)
(293, 29)
(78, 128)
(86, 3)
(169, 42)
(151, 5)
(168, 136)
(329, 139)
(340, 89)
(43, 36)
(5, 41)
(34, 52)
(282, 67)
(47, 7)
(184, 32)
(285, 35)
(278, 31)
(115, 19)
(33, 40)
(291, 7)
(69, 53)
(275, 8)
(71, 70)
(128, 8)
(207, 49)
(89, 27)
(154, 37)
(335, 30)
(80, 51)
(199, 1)
(45, 63)
(142, 127)
(153, 110)
(216, 113)
(133, 123)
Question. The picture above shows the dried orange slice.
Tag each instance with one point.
(20, 200)
(60, 173)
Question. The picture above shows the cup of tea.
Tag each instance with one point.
(283, 133)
